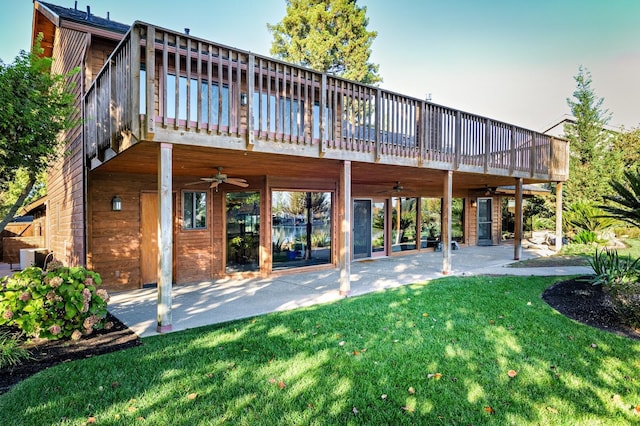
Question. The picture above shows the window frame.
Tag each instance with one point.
(194, 211)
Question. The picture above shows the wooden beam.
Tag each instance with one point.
(345, 228)
(176, 121)
(165, 237)
(376, 125)
(323, 115)
(165, 85)
(457, 140)
(135, 81)
(512, 161)
(150, 83)
(558, 216)
(250, 91)
(446, 222)
(517, 239)
(187, 122)
(487, 144)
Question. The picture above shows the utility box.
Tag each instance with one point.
(32, 257)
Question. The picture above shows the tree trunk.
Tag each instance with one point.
(23, 196)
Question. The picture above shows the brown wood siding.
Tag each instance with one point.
(218, 238)
(472, 221)
(496, 226)
(96, 58)
(65, 178)
(471, 229)
(193, 246)
(114, 238)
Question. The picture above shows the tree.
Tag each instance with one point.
(16, 187)
(591, 155)
(626, 145)
(326, 35)
(35, 107)
(625, 204)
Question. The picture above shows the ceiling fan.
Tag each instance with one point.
(219, 178)
(396, 189)
(489, 191)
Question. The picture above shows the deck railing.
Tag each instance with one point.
(158, 81)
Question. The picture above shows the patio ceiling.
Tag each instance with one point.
(367, 178)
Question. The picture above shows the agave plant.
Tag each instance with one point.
(626, 201)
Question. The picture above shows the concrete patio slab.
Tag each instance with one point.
(217, 301)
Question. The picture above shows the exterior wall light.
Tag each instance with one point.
(116, 204)
(243, 99)
(473, 202)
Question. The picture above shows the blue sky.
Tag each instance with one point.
(511, 60)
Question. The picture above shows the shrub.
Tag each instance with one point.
(625, 301)
(620, 278)
(62, 302)
(585, 216)
(585, 237)
(11, 351)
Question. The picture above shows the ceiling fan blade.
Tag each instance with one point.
(214, 184)
(237, 182)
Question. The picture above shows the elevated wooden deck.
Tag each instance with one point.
(165, 86)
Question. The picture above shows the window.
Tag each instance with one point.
(243, 231)
(403, 231)
(219, 101)
(143, 91)
(194, 210)
(291, 115)
(301, 228)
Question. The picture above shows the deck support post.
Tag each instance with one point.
(517, 239)
(165, 237)
(558, 216)
(345, 229)
(446, 222)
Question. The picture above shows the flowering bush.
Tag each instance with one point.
(61, 302)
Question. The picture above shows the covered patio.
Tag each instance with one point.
(217, 301)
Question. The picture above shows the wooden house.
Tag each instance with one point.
(197, 161)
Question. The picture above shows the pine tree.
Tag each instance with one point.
(592, 163)
(326, 35)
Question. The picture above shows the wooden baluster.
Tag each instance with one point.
(177, 84)
(199, 94)
(251, 75)
(188, 65)
(209, 87)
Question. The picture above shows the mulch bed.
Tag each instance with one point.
(577, 299)
(586, 303)
(47, 353)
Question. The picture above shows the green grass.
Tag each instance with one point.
(632, 249)
(435, 353)
(576, 255)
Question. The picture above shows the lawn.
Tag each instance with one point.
(474, 350)
(577, 255)
(632, 249)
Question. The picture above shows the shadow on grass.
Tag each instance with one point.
(433, 353)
